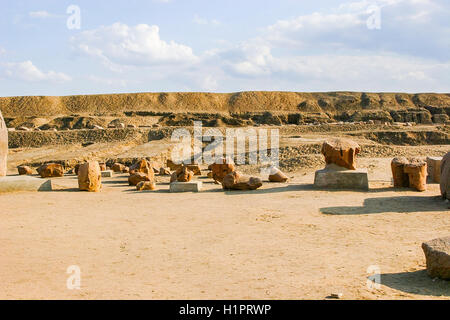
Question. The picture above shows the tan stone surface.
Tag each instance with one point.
(341, 152)
(90, 177)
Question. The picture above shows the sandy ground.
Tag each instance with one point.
(284, 241)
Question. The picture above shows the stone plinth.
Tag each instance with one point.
(192, 186)
(434, 169)
(24, 183)
(335, 177)
(437, 255)
(107, 174)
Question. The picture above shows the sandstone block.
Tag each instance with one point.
(335, 177)
(341, 152)
(24, 183)
(192, 186)
(146, 186)
(417, 173)
(238, 181)
(437, 255)
(51, 170)
(24, 170)
(89, 177)
(434, 169)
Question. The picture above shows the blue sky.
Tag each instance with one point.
(224, 46)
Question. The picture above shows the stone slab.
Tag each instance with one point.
(107, 174)
(342, 179)
(434, 169)
(192, 186)
(24, 183)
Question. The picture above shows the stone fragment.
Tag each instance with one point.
(107, 174)
(434, 169)
(182, 174)
(437, 255)
(102, 166)
(117, 167)
(126, 169)
(445, 177)
(146, 186)
(401, 179)
(24, 170)
(237, 181)
(164, 172)
(417, 173)
(3, 146)
(90, 177)
(24, 183)
(221, 169)
(341, 152)
(276, 175)
(137, 177)
(51, 170)
(142, 166)
(192, 186)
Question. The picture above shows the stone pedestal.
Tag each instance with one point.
(24, 183)
(192, 186)
(335, 177)
(434, 169)
(107, 174)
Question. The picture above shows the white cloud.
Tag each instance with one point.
(27, 71)
(42, 14)
(203, 21)
(120, 45)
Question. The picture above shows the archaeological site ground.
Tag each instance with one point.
(354, 209)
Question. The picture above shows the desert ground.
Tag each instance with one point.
(283, 241)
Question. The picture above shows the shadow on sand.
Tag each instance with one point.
(416, 282)
(391, 204)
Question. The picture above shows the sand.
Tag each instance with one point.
(284, 241)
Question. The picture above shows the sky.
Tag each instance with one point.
(58, 47)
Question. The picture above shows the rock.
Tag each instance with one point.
(434, 169)
(445, 176)
(102, 166)
(107, 174)
(76, 168)
(341, 152)
(220, 170)
(146, 185)
(440, 118)
(164, 172)
(336, 177)
(417, 173)
(401, 179)
(51, 170)
(195, 168)
(437, 255)
(237, 181)
(143, 167)
(126, 170)
(172, 165)
(192, 186)
(90, 177)
(182, 174)
(277, 176)
(23, 129)
(24, 170)
(117, 167)
(137, 177)
(3, 145)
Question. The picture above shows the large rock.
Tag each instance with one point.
(437, 255)
(137, 177)
(3, 145)
(90, 177)
(417, 173)
(276, 175)
(221, 169)
(141, 166)
(445, 176)
(51, 170)
(146, 186)
(24, 170)
(237, 181)
(182, 174)
(401, 179)
(341, 152)
(118, 167)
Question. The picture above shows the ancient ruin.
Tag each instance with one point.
(182, 174)
(341, 152)
(238, 181)
(410, 173)
(24, 170)
(437, 255)
(401, 178)
(445, 177)
(220, 169)
(3, 146)
(51, 170)
(146, 186)
(276, 175)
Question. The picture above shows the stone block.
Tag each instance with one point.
(24, 183)
(107, 174)
(334, 177)
(434, 169)
(192, 186)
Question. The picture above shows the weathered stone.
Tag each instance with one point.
(102, 166)
(146, 186)
(437, 255)
(417, 172)
(277, 176)
(221, 169)
(341, 152)
(401, 179)
(164, 172)
(3, 146)
(24, 183)
(51, 170)
(142, 166)
(335, 177)
(137, 177)
(192, 186)
(117, 167)
(107, 174)
(237, 181)
(195, 168)
(445, 176)
(434, 169)
(24, 170)
(182, 174)
(90, 177)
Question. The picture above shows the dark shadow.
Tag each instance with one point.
(391, 204)
(67, 190)
(115, 182)
(416, 282)
(284, 188)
